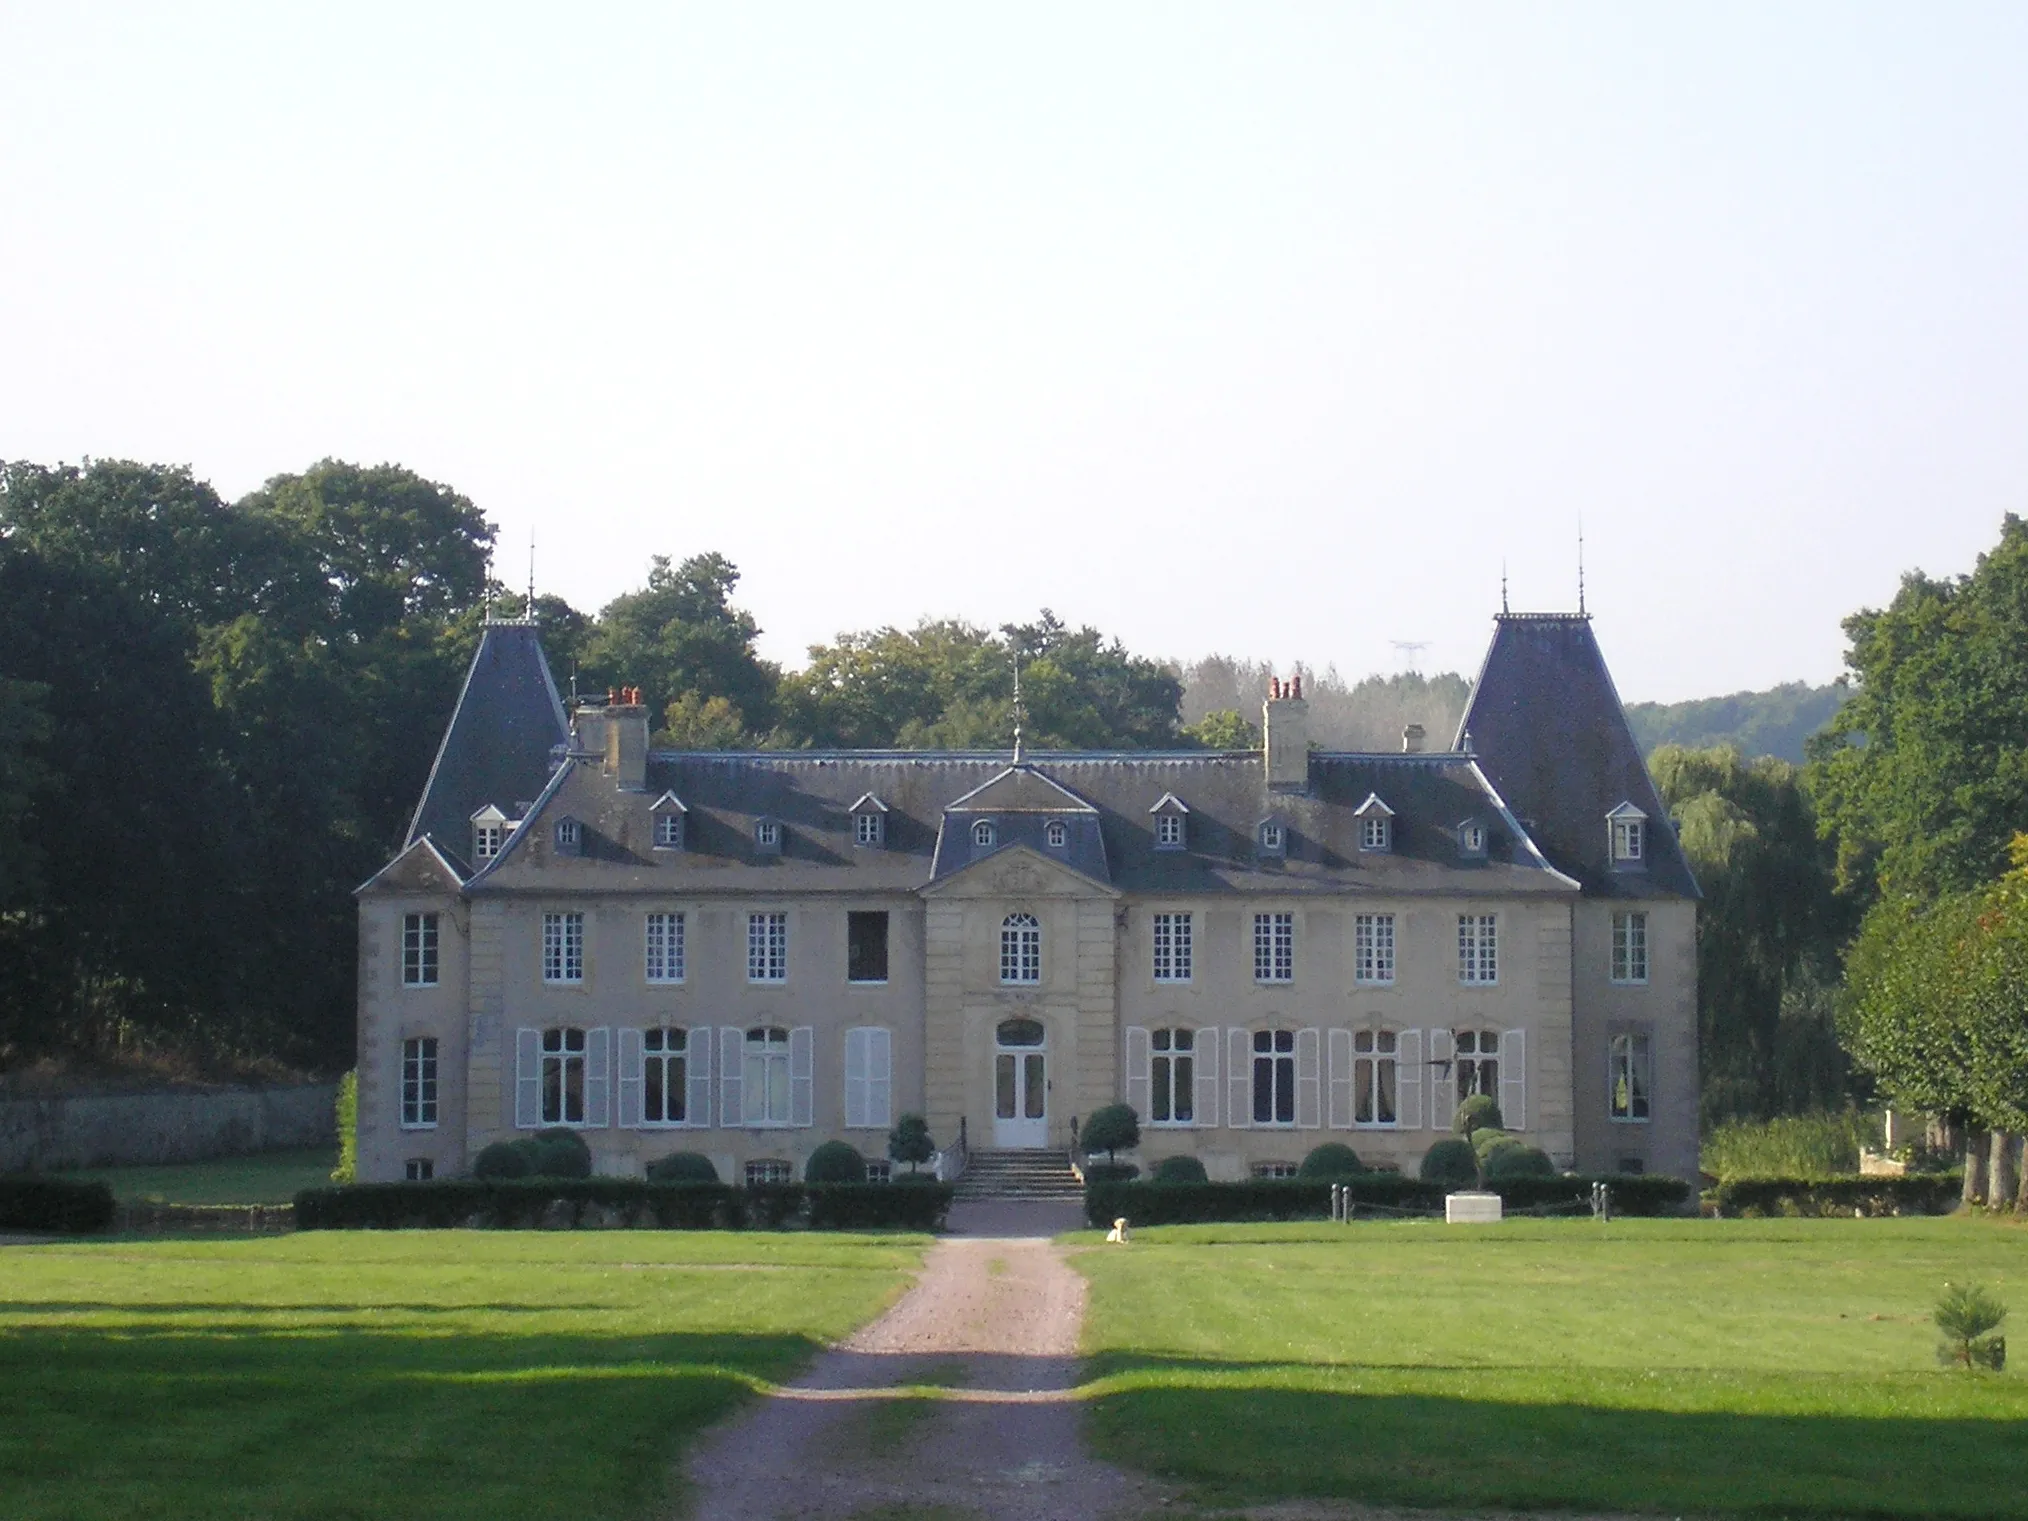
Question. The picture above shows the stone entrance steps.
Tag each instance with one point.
(1020, 1175)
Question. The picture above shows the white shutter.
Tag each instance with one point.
(856, 1078)
(1207, 1078)
(731, 1067)
(1338, 1047)
(1514, 1079)
(1238, 1104)
(598, 1082)
(1443, 1079)
(1140, 1087)
(803, 1075)
(527, 1079)
(1309, 1079)
(697, 1065)
(1408, 1075)
(630, 1078)
(879, 1077)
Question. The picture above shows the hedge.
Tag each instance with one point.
(1921, 1194)
(619, 1204)
(54, 1206)
(1301, 1199)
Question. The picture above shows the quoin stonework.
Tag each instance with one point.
(748, 954)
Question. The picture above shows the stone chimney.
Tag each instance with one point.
(1411, 740)
(626, 739)
(1285, 735)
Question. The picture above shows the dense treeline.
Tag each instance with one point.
(1778, 722)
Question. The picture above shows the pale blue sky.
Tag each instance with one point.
(1263, 329)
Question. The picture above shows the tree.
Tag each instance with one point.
(1224, 729)
(24, 781)
(910, 1141)
(1112, 1129)
(1767, 934)
(696, 722)
(682, 635)
(1922, 776)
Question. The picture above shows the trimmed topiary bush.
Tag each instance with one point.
(1179, 1170)
(1502, 1145)
(559, 1153)
(1112, 1129)
(1110, 1172)
(502, 1160)
(1517, 1161)
(347, 1116)
(57, 1206)
(1450, 1162)
(835, 1162)
(682, 1167)
(910, 1142)
(1479, 1112)
(1484, 1141)
(1333, 1159)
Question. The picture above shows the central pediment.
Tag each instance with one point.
(1019, 871)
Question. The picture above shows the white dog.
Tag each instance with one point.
(1119, 1231)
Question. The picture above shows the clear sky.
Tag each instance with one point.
(1273, 330)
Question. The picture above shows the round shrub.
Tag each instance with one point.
(835, 1162)
(1179, 1170)
(1333, 1159)
(1506, 1145)
(1113, 1128)
(502, 1159)
(682, 1167)
(560, 1153)
(1110, 1172)
(1479, 1112)
(1450, 1162)
(1518, 1161)
(1484, 1141)
(910, 1141)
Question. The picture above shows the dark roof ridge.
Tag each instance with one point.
(1030, 758)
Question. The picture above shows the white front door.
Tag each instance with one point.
(1020, 1086)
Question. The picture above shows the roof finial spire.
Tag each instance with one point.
(489, 586)
(528, 612)
(1017, 706)
(1580, 566)
(1503, 588)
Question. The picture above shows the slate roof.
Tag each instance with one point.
(497, 748)
(934, 798)
(1546, 725)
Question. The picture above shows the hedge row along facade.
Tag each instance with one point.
(748, 954)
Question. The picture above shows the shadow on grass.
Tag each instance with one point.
(1235, 1433)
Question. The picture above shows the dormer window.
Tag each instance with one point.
(1376, 824)
(983, 834)
(767, 837)
(1274, 840)
(1472, 839)
(1058, 834)
(569, 836)
(1629, 834)
(489, 833)
(669, 813)
(1169, 815)
(869, 822)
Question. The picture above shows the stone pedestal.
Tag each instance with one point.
(1471, 1209)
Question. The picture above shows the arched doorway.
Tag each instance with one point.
(1020, 1084)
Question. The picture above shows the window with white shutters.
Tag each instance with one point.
(1477, 1063)
(665, 1076)
(764, 1085)
(1376, 1078)
(1172, 1074)
(869, 1078)
(1274, 1077)
(562, 1077)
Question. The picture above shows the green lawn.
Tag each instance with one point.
(1772, 1367)
(423, 1375)
(272, 1177)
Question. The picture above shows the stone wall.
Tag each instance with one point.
(150, 1128)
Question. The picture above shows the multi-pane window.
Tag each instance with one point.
(419, 950)
(1272, 839)
(1628, 839)
(769, 1171)
(1275, 1169)
(665, 1076)
(1174, 1066)
(1021, 948)
(982, 834)
(1274, 947)
(419, 1082)
(866, 946)
(668, 830)
(1630, 946)
(764, 1079)
(1173, 948)
(1373, 832)
(1630, 1059)
(665, 948)
(1478, 948)
(1478, 1063)
(562, 1075)
(569, 834)
(1274, 1077)
(1169, 831)
(419, 1169)
(563, 947)
(767, 947)
(1472, 839)
(1376, 1071)
(1373, 947)
(487, 839)
(1058, 834)
(866, 828)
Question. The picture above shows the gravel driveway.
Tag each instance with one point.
(992, 1325)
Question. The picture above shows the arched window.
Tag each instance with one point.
(1019, 1032)
(1021, 948)
(1173, 1067)
(764, 1086)
(982, 834)
(563, 1076)
(1058, 834)
(1376, 1066)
